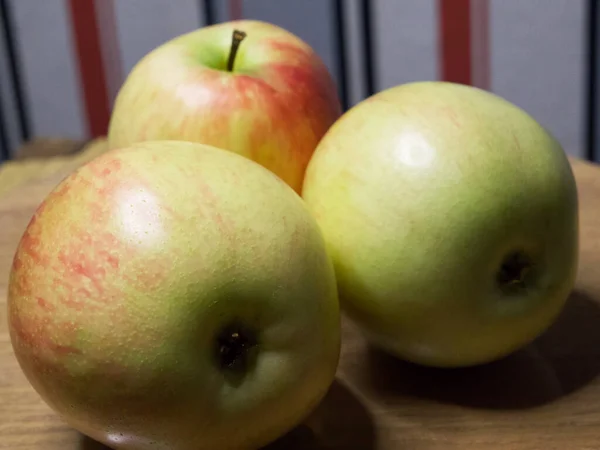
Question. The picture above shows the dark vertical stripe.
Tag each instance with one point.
(340, 41)
(111, 46)
(88, 52)
(480, 43)
(6, 23)
(4, 151)
(455, 40)
(592, 97)
(210, 17)
(236, 9)
(369, 46)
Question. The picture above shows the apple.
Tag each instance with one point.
(171, 295)
(246, 86)
(451, 216)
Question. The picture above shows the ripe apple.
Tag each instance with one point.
(451, 216)
(172, 295)
(245, 86)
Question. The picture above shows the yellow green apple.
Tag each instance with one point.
(171, 295)
(451, 216)
(246, 86)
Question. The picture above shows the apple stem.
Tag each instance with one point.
(236, 40)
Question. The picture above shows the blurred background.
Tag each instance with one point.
(62, 61)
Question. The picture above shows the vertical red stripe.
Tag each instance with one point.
(455, 40)
(235, 9)
(88, 51)
(480, 45)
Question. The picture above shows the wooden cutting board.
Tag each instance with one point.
(546, 396)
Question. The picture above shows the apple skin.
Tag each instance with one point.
(273, 108)
(133, 265)
(423, 192)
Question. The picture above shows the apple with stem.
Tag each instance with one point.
(171, 295)
(451, 216)
(245, 86)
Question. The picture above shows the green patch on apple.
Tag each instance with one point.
(451, 216)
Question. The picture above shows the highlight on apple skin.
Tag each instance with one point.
(245, 86)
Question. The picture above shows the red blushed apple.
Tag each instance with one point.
(245, 86)
(175, 296)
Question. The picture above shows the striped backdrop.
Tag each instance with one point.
(62, 61)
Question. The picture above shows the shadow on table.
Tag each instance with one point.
(562, 360)
(86, 443)
(340, 422)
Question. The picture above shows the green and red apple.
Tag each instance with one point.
(246, 86)
(171, 295)
(451, 216)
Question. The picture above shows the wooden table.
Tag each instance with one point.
(546, 396)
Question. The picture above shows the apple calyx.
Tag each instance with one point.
(514, 271)
(234, 345)
(236, 39)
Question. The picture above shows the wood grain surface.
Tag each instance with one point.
(546, 396)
